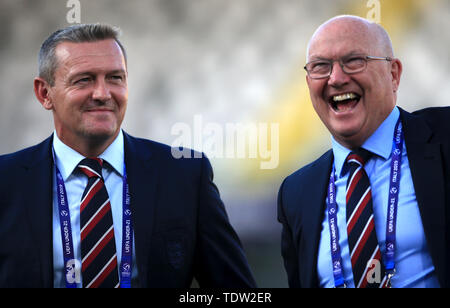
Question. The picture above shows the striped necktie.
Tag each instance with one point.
(362, 238)
(98, 247)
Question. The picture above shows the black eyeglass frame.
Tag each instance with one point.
(366, 58)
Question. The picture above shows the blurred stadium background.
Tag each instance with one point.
(230, 61)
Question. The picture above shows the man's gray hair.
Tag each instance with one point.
(80, 33)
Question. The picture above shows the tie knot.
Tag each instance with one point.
(92, 167)
(360, 157)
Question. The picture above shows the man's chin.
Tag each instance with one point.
(350, 138)
(347, 128)
(100, 135)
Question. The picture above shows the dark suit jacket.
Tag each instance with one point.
(181, 227)
(301, 199)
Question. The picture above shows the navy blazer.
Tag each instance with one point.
(181, 227)
(301, 199)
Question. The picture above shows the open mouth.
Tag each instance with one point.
(344, 102)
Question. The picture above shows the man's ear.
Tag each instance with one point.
(42, 92)
(396, 73)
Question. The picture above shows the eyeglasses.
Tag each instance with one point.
(352, 64)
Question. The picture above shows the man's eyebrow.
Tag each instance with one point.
(351, 53)
(91, 73)
(355, 53)
(316, 58)
(119, 71)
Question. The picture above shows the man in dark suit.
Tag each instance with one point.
(154, 221)
(353, 80)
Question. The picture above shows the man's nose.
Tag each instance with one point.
(101, 91)
(338, 77)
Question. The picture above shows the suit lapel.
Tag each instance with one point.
(38, 198)
(142, 175)
(426, 166)
(314, 212)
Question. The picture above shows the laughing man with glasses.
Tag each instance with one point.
(385, 223)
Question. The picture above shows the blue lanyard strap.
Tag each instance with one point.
(127, 236)
(336, 258)
(66, 232)
(126, 264)
(394, 186)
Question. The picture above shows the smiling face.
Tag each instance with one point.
(89, 95)
(352, 106)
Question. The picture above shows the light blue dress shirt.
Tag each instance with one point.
(67, 160)
(414, 267)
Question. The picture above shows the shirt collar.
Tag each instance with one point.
(114, 155)
(379, 143)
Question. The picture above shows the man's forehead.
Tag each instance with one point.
(341, 36)
(345, 42)
(67, 51)
(105, 55)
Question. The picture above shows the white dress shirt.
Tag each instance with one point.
(75, 182)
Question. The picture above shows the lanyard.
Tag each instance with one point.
(70, 264)
(66, 232)
(389, 260)
(334, 234)
(127, 236)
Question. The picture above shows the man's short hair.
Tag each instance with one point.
(80, 33)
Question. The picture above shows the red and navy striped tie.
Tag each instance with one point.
(98, 247)
(362, 238)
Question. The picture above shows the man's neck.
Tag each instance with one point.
(350, 144)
